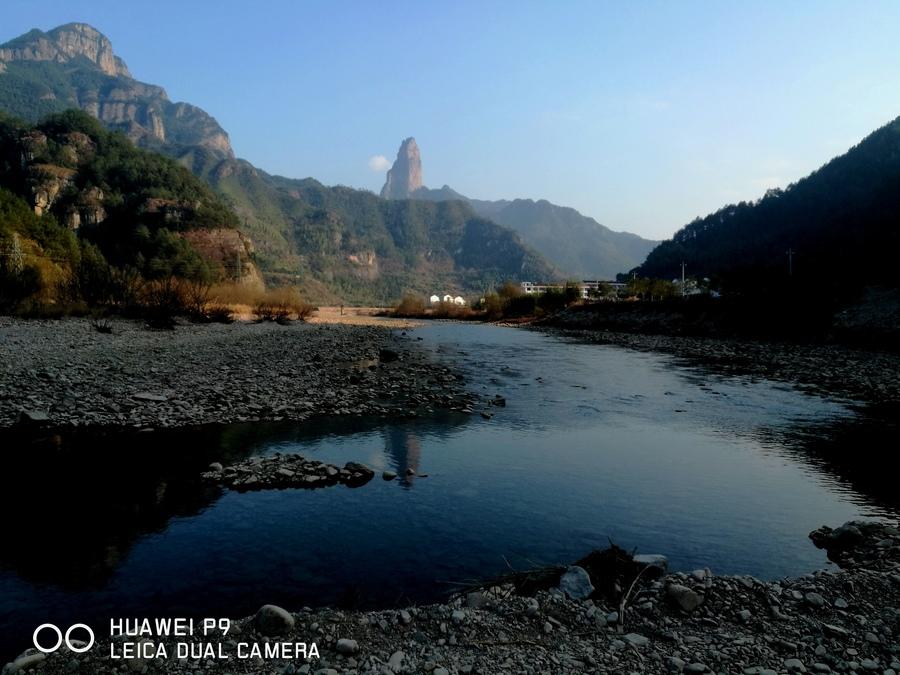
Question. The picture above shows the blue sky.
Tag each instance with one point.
(640, 114)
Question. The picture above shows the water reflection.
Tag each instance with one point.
(79, 501)
(854, 453)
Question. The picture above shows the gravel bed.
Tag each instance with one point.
(65, 373)
(841, 620)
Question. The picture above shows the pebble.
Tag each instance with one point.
(683, 597)
(213, 374)
(346, 646)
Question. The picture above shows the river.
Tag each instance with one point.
(595, 444)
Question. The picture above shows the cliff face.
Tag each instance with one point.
(405, 176)
(65, 43)
(75, 66)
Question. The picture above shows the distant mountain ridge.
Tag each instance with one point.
(336, 243)
(577, 245)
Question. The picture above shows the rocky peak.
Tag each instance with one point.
(405, 176)
(64, 44)
(142, 111)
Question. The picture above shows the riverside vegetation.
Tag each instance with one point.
(87, 220)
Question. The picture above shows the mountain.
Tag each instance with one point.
(835, 230)
(576, 244)
(405, 176)
(72, 191)
(74, 66)
(569, 239)
(336, 243)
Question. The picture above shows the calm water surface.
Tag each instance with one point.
(596, 443)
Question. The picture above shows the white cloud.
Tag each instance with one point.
(379, 163)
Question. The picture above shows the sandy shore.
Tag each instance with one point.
(360, 316)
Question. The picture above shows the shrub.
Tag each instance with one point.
(101, 325)
(282, 305)
(510, 290)
(163, 301)
(521, 305)
(195, 295)
(18, 285)
(410, 306)
(493, 306)
(93, 276)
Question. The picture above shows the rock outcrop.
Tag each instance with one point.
(405, 176)
(91, 77)
(65, 43)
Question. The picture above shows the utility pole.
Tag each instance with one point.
(682, 278)
(790, 255)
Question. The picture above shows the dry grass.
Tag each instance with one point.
(249, 302)
(281, 305)
(235, 294)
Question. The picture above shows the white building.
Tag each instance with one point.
(458, 300)
(593, 285)
(587, 287)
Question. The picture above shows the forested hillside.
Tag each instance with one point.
(837, 229)
(341, 243)
(76, 199)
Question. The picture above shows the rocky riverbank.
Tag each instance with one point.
(832, 370)
(842, 620)
(66, 373)
(280, 472)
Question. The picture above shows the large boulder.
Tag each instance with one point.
(34, 418)
(683, 597)
(576, 583)
(841, 538)
(272, 620)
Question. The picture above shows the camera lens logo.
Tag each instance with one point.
(78, 647)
